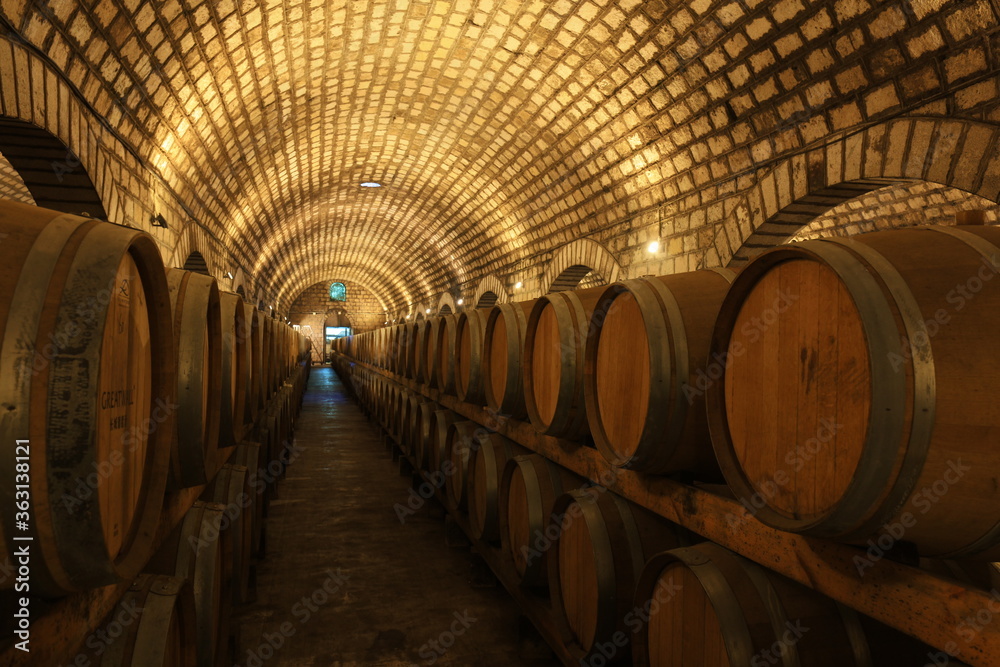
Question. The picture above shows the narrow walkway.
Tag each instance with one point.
(400, 589)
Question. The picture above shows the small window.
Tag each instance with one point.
(338, 292)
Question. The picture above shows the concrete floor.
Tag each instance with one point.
(400, 587)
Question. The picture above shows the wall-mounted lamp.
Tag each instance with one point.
(428, 311)
(518, 285)
(229, 274)
(460, 302)
(653, 247)
(158, 220)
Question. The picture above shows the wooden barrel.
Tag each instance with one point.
(236, 413)
(87, 361)
(153, 625)
(429, 354)
(470, 334)
(409, 350)
(264, 380)
(199, 550)
(254, 334)
(503, 348)
(441, 421)
(422, 433)
(231, 488)
(400, 399)
(411, 423)
(420, 351)
(261, 477)
(858, 385)
(485, 470)
(198, 347)
(555, 344)
(596, 561)
(648, 348)
(445, 354)
(464, 437)
(529, 488)
(708, 606)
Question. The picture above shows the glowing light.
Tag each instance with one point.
(653, 247)
(371, 184)
(460, 302)
(518, 285)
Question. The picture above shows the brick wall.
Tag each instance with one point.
(313, 307)
(504, 132)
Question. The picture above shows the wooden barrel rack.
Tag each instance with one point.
(927, 605)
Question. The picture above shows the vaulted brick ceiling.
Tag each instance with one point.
(499, 128)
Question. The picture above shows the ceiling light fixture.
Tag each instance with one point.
(653, 247)
(371, 184)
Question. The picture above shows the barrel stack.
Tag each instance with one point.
(822, 381)
(140, 381)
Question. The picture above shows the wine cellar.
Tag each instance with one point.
(500, 332)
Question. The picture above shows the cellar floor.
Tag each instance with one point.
(346, 583)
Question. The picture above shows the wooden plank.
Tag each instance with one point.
(60, 633)
(915, 602)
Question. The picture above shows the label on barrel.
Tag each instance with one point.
(68, 409)
(121, 399)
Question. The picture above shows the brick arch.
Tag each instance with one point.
(445, 305)
(52, 173)
(955, 153)
(574, 261)
(489, 292)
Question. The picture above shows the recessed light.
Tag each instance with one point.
(517, 285)
(371, 184)
(654, 246)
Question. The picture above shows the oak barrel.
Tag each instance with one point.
(199, 550)
(198, 347)
(87, 361)
(237, 411)
(856, 388)
(705, 605)
(262, 475)
(231, 488)
(422, 433)
(649, 347)
(441, 421)
(410, 435)
(464, 438)
(470, 334)
(430, 346)
(445, 354)
(596, 560)
(256, 394)
(529, 488)
(485, 470)
(555, 344)
(503, 348)
(153, 625)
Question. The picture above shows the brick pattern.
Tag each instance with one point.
(904, 205)
(489, 292)
(12, 185)
(363, 308)
(502, 130)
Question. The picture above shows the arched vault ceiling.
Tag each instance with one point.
(500, 128)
